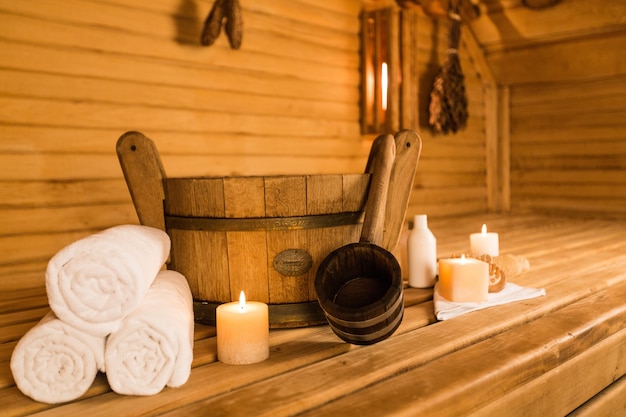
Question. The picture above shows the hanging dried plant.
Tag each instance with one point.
(227, 13)
(448, 100)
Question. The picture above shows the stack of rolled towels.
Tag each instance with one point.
(114, 309)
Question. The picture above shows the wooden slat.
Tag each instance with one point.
(22, 299)
(33, 194)
(571, 384)
(609, 402)
(247, 251)
(569, 177)
(286, 197)
(22, 275)
(614, 192)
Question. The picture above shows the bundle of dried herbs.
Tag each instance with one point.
(448, 100)
(227, 13)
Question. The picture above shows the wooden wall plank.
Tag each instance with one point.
(27, 194)
(609, 402)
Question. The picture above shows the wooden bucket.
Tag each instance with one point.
(263, 235)
(360, 290)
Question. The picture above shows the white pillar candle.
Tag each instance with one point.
(463, 279)
(484, 243)
(242, 332)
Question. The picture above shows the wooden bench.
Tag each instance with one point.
(562, 354)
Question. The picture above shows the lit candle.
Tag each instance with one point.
(463, 279)
(242, 332)
(384, 84)
(484, 243)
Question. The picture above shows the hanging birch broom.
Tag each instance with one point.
(448, 101)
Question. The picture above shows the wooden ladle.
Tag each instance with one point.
(359, 286)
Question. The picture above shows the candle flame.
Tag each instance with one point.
(384, 84)
(462, 258)
(242, 301)
(484, 230)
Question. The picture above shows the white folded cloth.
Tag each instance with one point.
(446, 309)
(54, 363)
(94, 282)
(154, 344)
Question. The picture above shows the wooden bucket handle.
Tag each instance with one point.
(144, 175)
(380, 166)
(408, 150)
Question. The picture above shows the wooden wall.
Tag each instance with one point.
(562, 74)
(568, 147)
(76, 74)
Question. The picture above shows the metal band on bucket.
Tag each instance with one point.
(214, 224)
(365, 338)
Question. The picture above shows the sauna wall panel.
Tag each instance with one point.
(76, 74)
(568, 152)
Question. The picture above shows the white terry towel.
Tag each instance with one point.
(94, 282)
(154, 345)
(54, 363)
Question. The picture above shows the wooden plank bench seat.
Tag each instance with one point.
(562, 354)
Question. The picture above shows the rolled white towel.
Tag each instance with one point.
(154, 345)
(55, 363)
(94, 282)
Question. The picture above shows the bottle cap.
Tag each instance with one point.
(420, 220)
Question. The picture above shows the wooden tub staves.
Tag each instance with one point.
(265, 235)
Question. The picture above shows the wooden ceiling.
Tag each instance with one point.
(529, 41)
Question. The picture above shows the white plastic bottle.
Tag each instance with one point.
(421, 254)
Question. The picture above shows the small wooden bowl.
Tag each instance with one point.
(359, 287)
